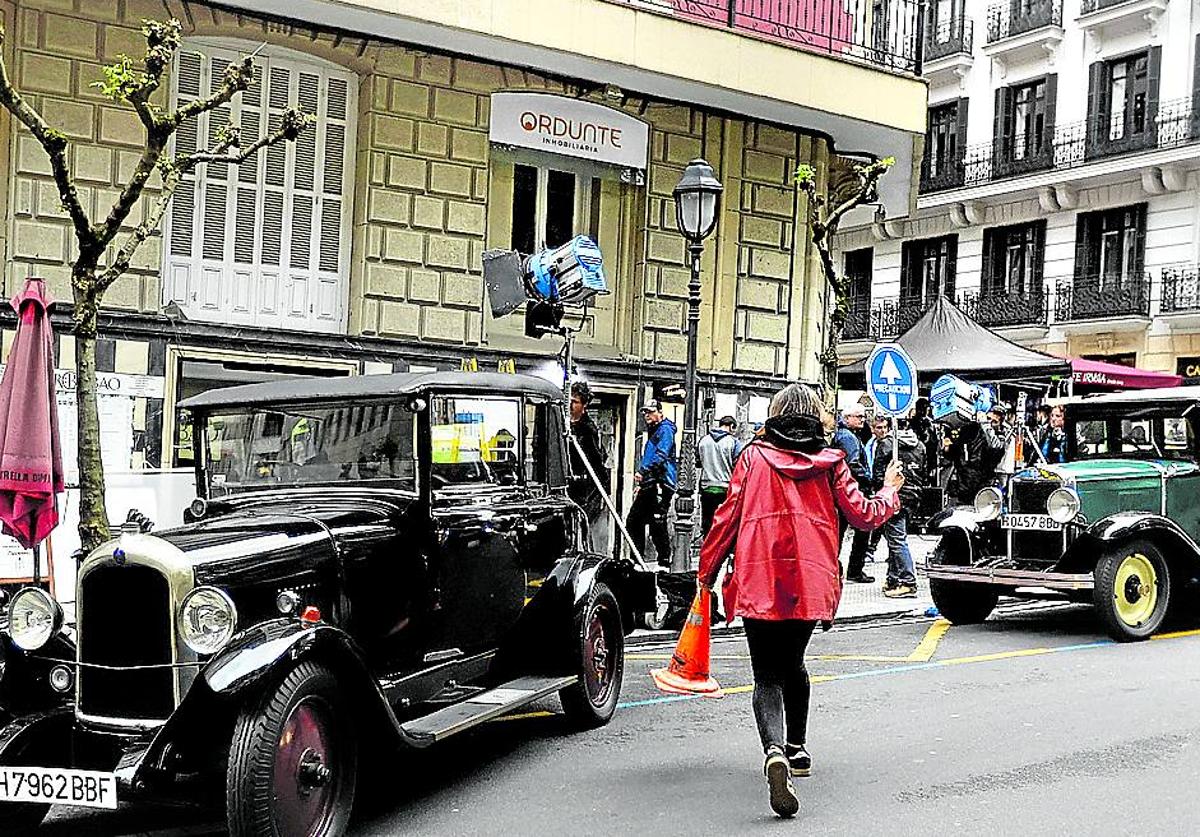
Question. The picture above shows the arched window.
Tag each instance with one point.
(266, 243)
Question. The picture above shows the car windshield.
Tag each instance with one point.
(271, 446)
(1149, 437)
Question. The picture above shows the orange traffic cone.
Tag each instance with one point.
(688, 673)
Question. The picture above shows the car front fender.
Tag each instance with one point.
(272, 648)
(39, 739)
(1161, 530)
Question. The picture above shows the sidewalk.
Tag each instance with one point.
(860, 602)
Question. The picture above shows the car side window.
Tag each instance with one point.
(475, 441)
(543, 445)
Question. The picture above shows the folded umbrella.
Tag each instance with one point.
(31, 471)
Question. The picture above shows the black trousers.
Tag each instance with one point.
(710, 501)
(781, 685)
(650, 508)
(863, 543)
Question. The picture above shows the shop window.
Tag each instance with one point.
(265, 243)
(551, 206)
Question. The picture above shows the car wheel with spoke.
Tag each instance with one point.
(293, 762)
(1132, 590)
(592, 699)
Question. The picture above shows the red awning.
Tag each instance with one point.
(1095, 373)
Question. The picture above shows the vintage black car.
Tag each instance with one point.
(372, 562)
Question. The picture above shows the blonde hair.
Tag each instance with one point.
(797, 400)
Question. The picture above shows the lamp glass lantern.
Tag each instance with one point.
(697, 199)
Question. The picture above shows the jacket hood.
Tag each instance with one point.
(717, 434)
(799, 465)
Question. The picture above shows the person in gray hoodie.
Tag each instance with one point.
(715, 455)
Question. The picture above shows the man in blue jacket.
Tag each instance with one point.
(654, 484)
(846, 439)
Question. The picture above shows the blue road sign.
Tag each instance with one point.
(891, 380)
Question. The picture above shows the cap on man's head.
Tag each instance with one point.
(727, 421)
(1001, 408)
(855, 410)
(652, 406)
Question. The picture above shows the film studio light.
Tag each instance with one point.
(549, 281)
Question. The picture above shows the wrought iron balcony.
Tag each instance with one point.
(1180, 289)
(1089, 6)
(1072, 144)
(998, 309)
(1010, 18)
(1099, 298)
(885, 319)
(952, 37)
(885, 35)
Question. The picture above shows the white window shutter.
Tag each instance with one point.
(265, 243)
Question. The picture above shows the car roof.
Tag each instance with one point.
(307, 390)
(1176, 397)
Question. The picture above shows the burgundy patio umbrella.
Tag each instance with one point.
(31, 471)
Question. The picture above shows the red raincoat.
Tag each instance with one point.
(780, 522)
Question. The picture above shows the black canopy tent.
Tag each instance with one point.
(947, 341)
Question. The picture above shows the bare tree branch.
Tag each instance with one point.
(238, 77)
(55, 144)
(293, 122)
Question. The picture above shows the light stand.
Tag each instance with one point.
(697, 200)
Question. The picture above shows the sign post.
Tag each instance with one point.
(892, 385)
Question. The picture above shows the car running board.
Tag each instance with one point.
(482, 708)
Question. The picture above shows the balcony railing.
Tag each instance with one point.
(997, 309)
(885, 34)
(885, 319)
(951, 37)
(1089, 6)
(1072, 144)
(1180, 289)
(1098, 298)
(1016, 17)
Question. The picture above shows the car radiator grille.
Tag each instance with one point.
(1042, 548)
(125, 620)
(1030, 497)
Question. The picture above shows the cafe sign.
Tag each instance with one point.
(1188, 368)
(571, 127)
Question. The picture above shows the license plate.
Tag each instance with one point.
(1035, 522)
(58, 786)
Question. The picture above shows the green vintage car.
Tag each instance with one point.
(1117, 525)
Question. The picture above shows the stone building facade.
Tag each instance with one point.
(365, 255)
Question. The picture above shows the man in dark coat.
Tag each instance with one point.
(582, 489)
(846, 440)
(975, 452)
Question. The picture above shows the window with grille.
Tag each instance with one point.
(265, 243)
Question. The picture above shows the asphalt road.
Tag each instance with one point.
(1032, 723)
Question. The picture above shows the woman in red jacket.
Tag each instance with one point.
(780, 523)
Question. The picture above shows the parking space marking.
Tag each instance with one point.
(928, 645)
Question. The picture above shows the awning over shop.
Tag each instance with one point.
(947, 341)
(1096, 373)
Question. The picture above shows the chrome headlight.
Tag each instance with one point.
(1062, 505)
(989, 502)
(33, 618)
(207, 620)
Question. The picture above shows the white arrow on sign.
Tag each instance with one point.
(891, 374)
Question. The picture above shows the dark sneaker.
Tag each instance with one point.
(861, 578)
(799, 760)
(779, 782)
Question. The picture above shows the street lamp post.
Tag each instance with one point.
(697, 200)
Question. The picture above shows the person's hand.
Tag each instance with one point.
(701, 585)
(894, 477)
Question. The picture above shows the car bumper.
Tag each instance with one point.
(1012, 578)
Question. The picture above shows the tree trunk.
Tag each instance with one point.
(93, 517)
